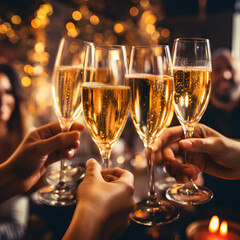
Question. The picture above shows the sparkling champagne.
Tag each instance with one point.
(105, 109)
(67, 91)
(150, 104)
(191, 93)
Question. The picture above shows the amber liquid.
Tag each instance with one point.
(105, 109)
(67, 90)
(191, 93)
(150, 104)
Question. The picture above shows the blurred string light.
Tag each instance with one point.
(139, 24)
(38, 76)
(31, 36)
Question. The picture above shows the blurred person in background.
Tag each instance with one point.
(223, 111)
(14, 124)
(223, 115)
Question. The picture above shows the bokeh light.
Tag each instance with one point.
(76, 15)
(134, 11)
(26, 81)
(16, 19)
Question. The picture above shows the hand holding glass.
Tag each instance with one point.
(192, 83)
(151, 92)
(66, 87)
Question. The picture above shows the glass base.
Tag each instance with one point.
(71, 174)
(157, 213)
(58, 196)
(189, 196)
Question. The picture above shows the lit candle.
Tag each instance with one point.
(201, 230)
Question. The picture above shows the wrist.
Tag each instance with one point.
(9, 183)
(86, 223)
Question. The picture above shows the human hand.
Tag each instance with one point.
(104, 201)
(40, 148)
(211, 152)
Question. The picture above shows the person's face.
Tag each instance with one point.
(7, 100)
(225, 79)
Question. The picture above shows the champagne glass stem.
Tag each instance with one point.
(105, 155)
(188, 133)
(152, 193)
(61, 183)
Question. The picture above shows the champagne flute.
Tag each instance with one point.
(66, 87)
(151, 93)
(105, 98)
(192, 84)
(75, 53)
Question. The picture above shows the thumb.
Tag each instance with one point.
(204, 145)
(93, 168)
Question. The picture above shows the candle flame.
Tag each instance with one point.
(223, 228)
(214, 224)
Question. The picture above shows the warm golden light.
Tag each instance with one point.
(73, 32)
(134, 11)
(150, 29)
(76, 15)
(16, 19)
(41, 13)
(26, 68)
(37, 70)
(39, 47)
(223, 228)
(48, 8)
(145, 15)
(35, 23)
(31, 70)
(26, 81)
(151, 19)
(138, 158)
(214, 224)
(94, 20)
(165, 33)
(44, 58)
(156, 35)
(120, 159)
(10, 33)
(118, 28)
(144, 3)
(70, 26)
(3, 29)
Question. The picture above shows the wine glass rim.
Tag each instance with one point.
(192, 39)
(110, 46)
(77, 39)
(150, 45)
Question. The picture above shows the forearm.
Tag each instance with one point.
(86, 224)
(10, 185)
